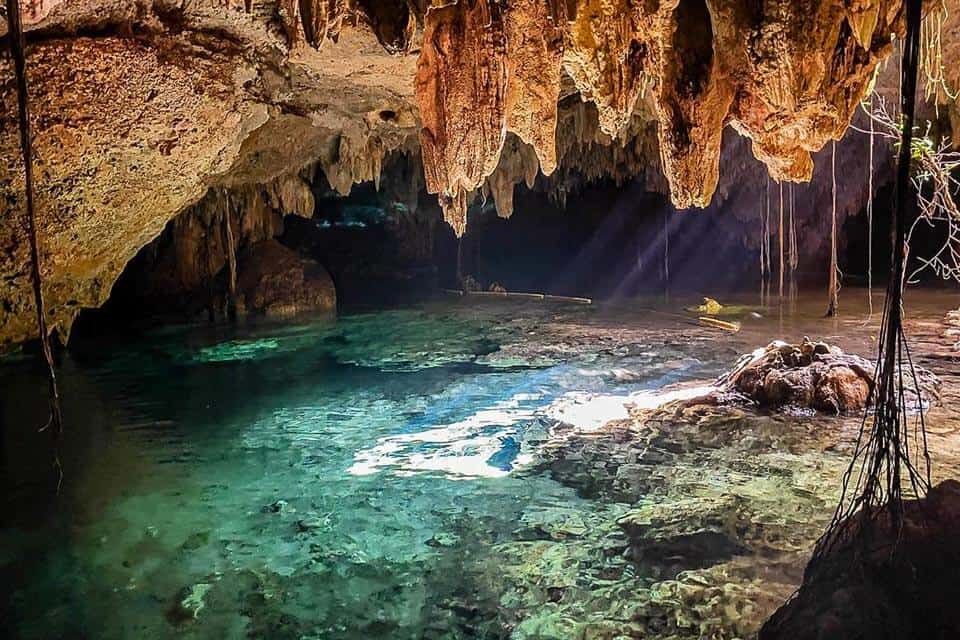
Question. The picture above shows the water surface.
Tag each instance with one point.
(438, 471)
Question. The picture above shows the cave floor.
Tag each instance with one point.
(456, 469)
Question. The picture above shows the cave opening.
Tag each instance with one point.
(391, 21)
(608, 242)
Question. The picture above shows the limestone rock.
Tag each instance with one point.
(120, 125)
(275, 281)
(176, 275)
(606, 56)
(321, 19)
(903, 587)
(461, 93)
(809, 374)
(534, 34)
(518, 163)
(133, 125)
(140, 106)
(805, 74)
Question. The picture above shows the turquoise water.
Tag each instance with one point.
(402, 474)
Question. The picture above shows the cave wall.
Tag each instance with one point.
(182, 273)
(140, 107)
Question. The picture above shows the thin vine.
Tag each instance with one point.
(833, 305)
(936, 189)
(780, 234)
(870, 213)
(17, 49)
(936, 87)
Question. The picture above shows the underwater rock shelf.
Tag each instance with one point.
(451, 471)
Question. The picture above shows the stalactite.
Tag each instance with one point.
(778, 69)
(518, 164)
(321, 19)
(534, 33)
(694, 95)
(55, 421)
(605, 57)
(833, 306)
(488, 66)
(461, 88)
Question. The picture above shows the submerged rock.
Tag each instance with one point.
(189, 603)
(684, 534)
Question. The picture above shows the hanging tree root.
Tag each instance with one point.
(231, 263)
(889, 454)
(833, 306)
(882, 553)
(17, 49)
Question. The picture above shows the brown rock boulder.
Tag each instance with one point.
(273, 280)
(841, 388)
(898, 586)
(813, 375)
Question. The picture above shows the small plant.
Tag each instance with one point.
(934, 167)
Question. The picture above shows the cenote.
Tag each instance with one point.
(448, 469)
(475, 319)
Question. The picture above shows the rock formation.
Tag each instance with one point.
(901, 585)
(275, 281)
(461, 92)
(142, 106)
(182, 273)
(810, 374)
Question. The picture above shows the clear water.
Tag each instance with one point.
(440, 471)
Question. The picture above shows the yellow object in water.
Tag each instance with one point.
(720, 324)
(710, 307)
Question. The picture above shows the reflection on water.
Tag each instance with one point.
(441, 471)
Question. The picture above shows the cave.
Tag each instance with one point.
(527, 319)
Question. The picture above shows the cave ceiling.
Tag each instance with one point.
(141, 106)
